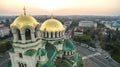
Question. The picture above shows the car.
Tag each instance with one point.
(106, 57)
(109, 59)
(87, 46)
(91, 48)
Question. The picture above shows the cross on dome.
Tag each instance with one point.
(24, 10)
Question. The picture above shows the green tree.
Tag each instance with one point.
(4, 46)
(84, 39)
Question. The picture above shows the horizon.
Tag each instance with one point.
(63, 15)
(67, 7)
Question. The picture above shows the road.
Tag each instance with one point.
(4, 60)
(95, 57)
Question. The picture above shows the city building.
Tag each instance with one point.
(78, 30)
(87, 24)
(108, 24)
(67, 23)
(4, 31)
(44, 45)
(83, 25)
(114, 25)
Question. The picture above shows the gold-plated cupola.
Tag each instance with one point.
(52, 25)
(24, 20)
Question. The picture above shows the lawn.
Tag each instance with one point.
(116, 57)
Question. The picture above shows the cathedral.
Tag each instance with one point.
(41, 45)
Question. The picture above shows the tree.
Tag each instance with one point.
(84, 39)
(4, 46)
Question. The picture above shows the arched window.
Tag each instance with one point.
(37, 65)
(55, 34)
(27, 34)
(22, 64)
(20, 55)
(68, 53)
(47, 34)
(43, 34)
(51, 34)
(19, 65)
(35, 33)
(25, 65)
(19, 35)
(64, 53)
(59, 34)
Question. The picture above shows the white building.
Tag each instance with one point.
(113, 25)
(4, 31)
(88, 24)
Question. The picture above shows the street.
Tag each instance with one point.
(4, 59)
(95, 58)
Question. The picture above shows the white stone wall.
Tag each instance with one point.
(28, 60)
(59, 47)
(28, 45)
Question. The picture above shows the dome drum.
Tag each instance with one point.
(52, 35)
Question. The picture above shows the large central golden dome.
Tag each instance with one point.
(52, 25)
(24, 20)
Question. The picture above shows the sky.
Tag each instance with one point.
(61, 7)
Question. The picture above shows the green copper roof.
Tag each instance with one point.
(68, 45)
(11, 50)
(41, 52)
(68, 63)
(75, 57)
(116, 24)
(9, 64)
(48, 64)
(58, 42)
(51, 51)
(30, 52)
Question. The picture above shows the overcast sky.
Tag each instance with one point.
(61, 7)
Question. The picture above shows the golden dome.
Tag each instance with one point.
(24, 20)
(52, 25)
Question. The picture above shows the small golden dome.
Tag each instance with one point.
(24, 20)
(52, 25)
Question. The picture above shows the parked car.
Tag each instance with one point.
(106, 57)
(92, 49)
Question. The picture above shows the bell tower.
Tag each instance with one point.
(26, 41)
